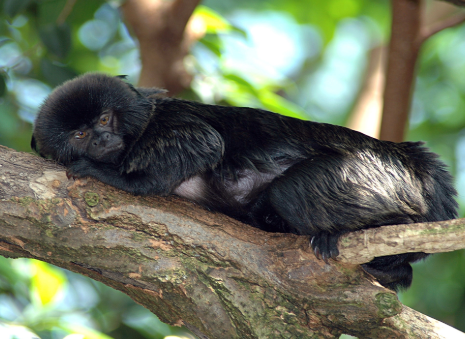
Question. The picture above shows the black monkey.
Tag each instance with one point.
(273, 172)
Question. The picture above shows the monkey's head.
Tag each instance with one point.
(95, 116)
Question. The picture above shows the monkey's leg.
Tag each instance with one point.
(327, 196)
(393, 271)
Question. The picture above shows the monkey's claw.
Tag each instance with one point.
(70, 175)
(324, 246)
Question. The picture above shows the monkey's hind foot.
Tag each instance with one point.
(324, 245)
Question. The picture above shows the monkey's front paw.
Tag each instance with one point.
(71, 175)
(78, 169)
(324, 245)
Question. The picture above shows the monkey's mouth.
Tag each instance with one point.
(112, 154)
(116, 147)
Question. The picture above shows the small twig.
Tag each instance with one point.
(430, 237)
(428, 32)
(65, 12)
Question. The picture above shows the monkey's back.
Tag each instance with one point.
(260, 146)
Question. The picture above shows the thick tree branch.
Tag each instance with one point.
(401, 60)
(220, 278)
(409, 31)
(181, 11)
(165, 38)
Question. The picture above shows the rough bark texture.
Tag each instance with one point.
(433, 237)
(216, 276)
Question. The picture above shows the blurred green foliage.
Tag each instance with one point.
(305, 59)
(55, 303)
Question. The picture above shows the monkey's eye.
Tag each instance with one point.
(80, 135)
(104, 120)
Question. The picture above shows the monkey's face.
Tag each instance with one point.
(94, 116)
(100, 141)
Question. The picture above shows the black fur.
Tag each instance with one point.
(273, 172)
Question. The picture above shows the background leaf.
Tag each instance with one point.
(57, 38)
(54, 73)
(13, 7)
(46, 282)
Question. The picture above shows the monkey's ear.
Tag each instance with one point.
(33, 144)
(123, 77)
(34, 147)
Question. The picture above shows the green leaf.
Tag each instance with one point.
(212, 42)
(56, 74)
(244, 84)
(87, 332)
(278, 104)
(4, 40)
(47, 281)
(212, 21)
(9, 118)
(48, 11)
(14, 7)
(57, 38)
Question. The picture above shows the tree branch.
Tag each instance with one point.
(65, 12)
(165, 38)
(183, 263)
(456, 2)
(401, 60)
(432, 237)
(408, 33)
(366, 114)
(428, 32)
(181, 11)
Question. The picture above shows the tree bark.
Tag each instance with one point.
(162, 30)
(366, 114)
(409, 30)
(402, 57)
(216, 276)
(456, 2)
